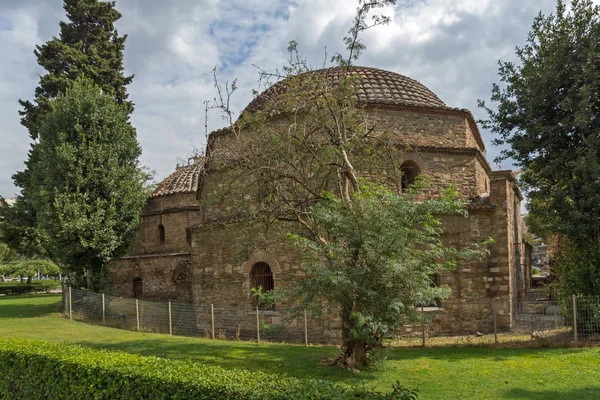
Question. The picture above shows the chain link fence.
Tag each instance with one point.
(567, 321)
(186, 319)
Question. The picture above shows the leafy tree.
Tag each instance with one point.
(375, 262)
(548, 112)
(29, 267)
(88, 45)
(90, 187)
(368, 252)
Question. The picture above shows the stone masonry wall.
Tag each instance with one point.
(164, 277)
(223, 258)
(422, 127)
(176, 213)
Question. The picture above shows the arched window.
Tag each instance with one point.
(261, 276)
(409, 170)
(138, 288)
(161, 233)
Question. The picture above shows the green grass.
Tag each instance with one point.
(442, 373)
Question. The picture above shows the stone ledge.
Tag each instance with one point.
(151, 255)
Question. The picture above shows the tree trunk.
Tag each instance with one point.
(29, 279)
(353, 352)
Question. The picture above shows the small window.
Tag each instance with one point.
(261, 276)
(161, 233)
(188, 236)
(434, 282)
(138, 288)
(409, 170)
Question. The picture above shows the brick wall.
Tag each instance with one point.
(165, 277)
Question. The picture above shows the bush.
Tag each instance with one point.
(41, 370)
(9, 288)
(588, 315)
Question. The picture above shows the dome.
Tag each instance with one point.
(183, 180)
(377, 86)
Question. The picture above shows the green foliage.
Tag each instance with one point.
(88, 45)
(268, 330)
(10, 288)
(264, 299)
(18, 228)
(376, 259)
(578, 266)
(400, 392)
(548, 111)
(64, 371)
(29, 267)
(89, 185)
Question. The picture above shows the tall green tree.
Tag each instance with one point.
(375, 261)
(547, 110)
(90, 186)
(88, 45)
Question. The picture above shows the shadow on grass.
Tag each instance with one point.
(298, 361)
(29, 306)
(463, 353)
(591, 393)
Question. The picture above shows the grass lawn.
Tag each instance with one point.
(442, 373)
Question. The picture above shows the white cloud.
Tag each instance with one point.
(451, 46)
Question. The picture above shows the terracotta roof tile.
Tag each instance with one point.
(377, 86)
(183, 180)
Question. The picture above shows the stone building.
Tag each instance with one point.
(192, 247)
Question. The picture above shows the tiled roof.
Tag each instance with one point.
(183, 180)
(377, 86)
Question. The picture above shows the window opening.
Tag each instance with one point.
(188, 236)
(138, 288)
(161, 233)
(262, 276)
(409, 170)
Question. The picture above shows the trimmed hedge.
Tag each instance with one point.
(9, 288)
(40, 370)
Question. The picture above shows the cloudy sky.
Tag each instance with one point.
(451, 46)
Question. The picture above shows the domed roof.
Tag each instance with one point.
(183, 180)
(376, 86)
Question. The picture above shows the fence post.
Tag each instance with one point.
(257, 326)
(575, 317)
(170, 321)
(305, 330)
(212, 320)
(494, 310)
(70, 304)
(137, 313)
(423, 325)
(103, 310)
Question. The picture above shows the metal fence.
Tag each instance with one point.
(186, 319)
(560, 322)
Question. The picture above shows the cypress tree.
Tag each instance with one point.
(88, 45)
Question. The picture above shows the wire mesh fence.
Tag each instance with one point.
(494, 323)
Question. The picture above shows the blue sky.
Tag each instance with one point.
(451, 46)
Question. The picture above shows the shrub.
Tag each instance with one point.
(8, 288)
(41, 370)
